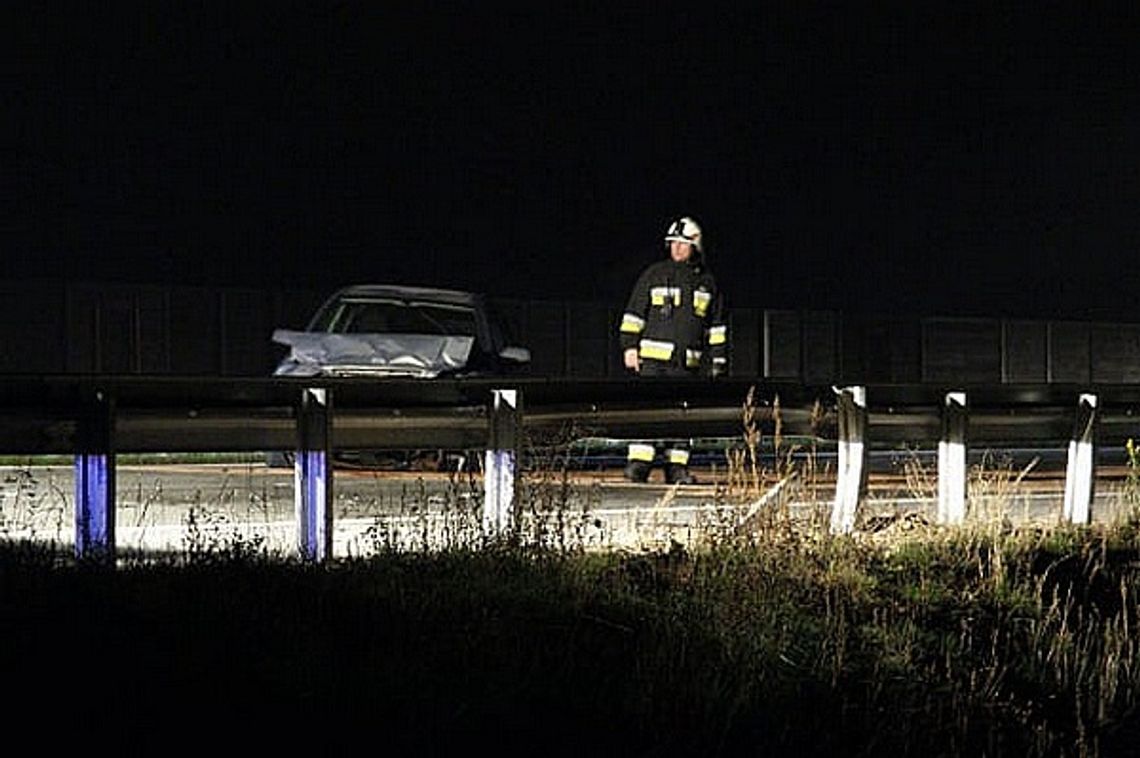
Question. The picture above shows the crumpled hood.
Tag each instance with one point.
(417, 355)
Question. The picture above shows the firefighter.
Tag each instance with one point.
(673, 326)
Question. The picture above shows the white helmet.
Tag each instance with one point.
(684, 229)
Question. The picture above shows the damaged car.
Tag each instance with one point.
(402, 331)
(383, 330)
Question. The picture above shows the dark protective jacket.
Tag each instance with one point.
(675, 316)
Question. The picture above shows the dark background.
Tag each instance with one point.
(886, 158)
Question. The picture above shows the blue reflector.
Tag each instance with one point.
(311, 473)
(92, 505)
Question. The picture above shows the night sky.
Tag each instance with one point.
(956, 161)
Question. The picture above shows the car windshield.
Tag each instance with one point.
(392, 316)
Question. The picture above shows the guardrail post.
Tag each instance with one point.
(501, 459)
(850, 475)
(952, 460)
(1079, 470)
(95, 479)
(312, 475)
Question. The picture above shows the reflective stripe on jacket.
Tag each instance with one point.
(675, 314)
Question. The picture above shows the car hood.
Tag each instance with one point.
(416, 355)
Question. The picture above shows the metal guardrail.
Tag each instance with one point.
(41, 414)
(96, 417)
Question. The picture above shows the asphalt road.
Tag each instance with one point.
(218, 507)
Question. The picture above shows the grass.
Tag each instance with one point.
(778, 639)
(778, 644)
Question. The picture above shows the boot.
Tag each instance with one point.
(678, 474)
(637, 471)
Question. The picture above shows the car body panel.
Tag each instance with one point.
(408, 355)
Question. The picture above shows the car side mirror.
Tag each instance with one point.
(515, 354)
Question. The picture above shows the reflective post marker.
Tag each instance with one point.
(1079, 469)
(850, 474)
(952, 460)
(500, 467)
(95, 480)
(312, 475)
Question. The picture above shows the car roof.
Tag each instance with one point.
(437, 294)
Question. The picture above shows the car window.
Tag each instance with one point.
(450, 319)
(400, 317)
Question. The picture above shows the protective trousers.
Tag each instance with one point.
(642, 455)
